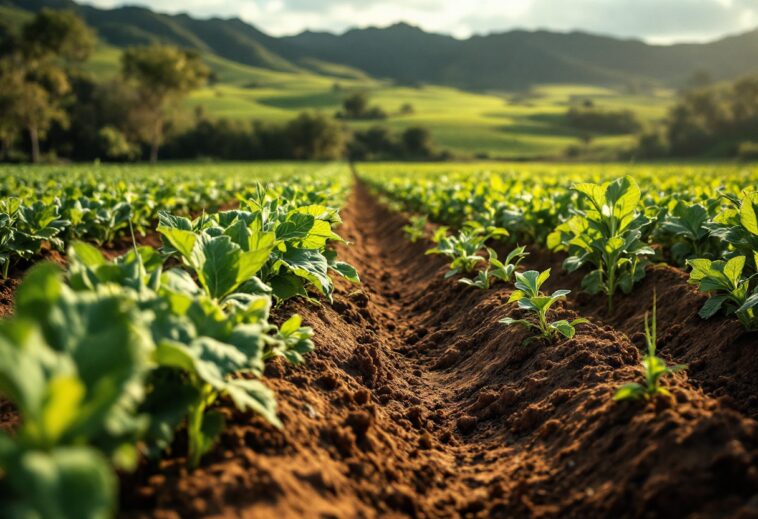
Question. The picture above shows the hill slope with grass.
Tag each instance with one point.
(407, 54)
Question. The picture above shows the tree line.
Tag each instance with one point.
(712, 120)
(48, 98)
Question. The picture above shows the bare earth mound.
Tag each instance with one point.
(418, 403)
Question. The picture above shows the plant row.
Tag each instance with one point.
(51, 207)
(609, 231)
(111, 361)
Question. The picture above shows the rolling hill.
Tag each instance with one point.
(406, 54)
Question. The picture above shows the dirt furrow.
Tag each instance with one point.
(418, 403)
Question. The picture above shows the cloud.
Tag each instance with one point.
(653, 20)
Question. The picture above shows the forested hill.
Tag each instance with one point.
(407, 54)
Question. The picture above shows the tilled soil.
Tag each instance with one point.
(417, 403)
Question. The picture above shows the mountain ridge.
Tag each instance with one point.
(407, 54)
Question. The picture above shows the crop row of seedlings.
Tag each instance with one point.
(607, 236)
(610, 231)
(110, 361)
(53, 207)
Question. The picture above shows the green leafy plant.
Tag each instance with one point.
(496, 269)
(529, 298)
(654, 368)
(462, 249)
(416, 228)
(737, 226)
(25, 228)
(684, 231)
(608, 236)
(728, 288)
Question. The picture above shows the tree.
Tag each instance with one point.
(33, 77)
(355, 105)
(315, 137)
(61, 34)
(162, 76)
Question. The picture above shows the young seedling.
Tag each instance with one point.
(654, 368)
(530, 298)
(463, 248)
(415, 230)
(496, 269)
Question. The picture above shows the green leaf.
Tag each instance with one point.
(296, 227)
(291, 325)
(564, 327)
(65, 483)
(592, 283)
(711, 306)
(286, 286)
(253, 395)
(632, 391)
(87, 254)
(310, 265)
(508, 321)
(182, 240)
(748, 217)
(218, 263)
(733, 269)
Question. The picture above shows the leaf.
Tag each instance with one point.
(239, 234)
(65, 483)
(286, 286)
(296, 227)
(711, 306)
(346, 270)
(733, 269)
(219, 264)
(291, 325)
(508, 321)
(253, 395)
(182, 240)
(564, 327)
(624, 194)
(632, 391)
(592, 283)
(87, 254)
(748, 217)
(310, 265)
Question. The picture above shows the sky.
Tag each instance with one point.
(655, 21)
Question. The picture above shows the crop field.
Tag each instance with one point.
(501, 124)
(379, 340)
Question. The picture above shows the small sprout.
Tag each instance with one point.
(654, 367)
(529, 297)
(502, 270)
(464, 247)
(415, 230)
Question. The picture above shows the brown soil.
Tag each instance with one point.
(722, 357)
(417, 403)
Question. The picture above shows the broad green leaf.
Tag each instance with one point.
(296, 227)
(711, 306)
(253, 395)
(218, 263)
(748, 217)
(182, 240)
(733, 269)
(87, 254)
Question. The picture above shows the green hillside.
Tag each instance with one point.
(264, 85)
(524, 124)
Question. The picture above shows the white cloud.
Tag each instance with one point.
(653, 20)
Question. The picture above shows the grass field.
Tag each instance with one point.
(499, 124)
